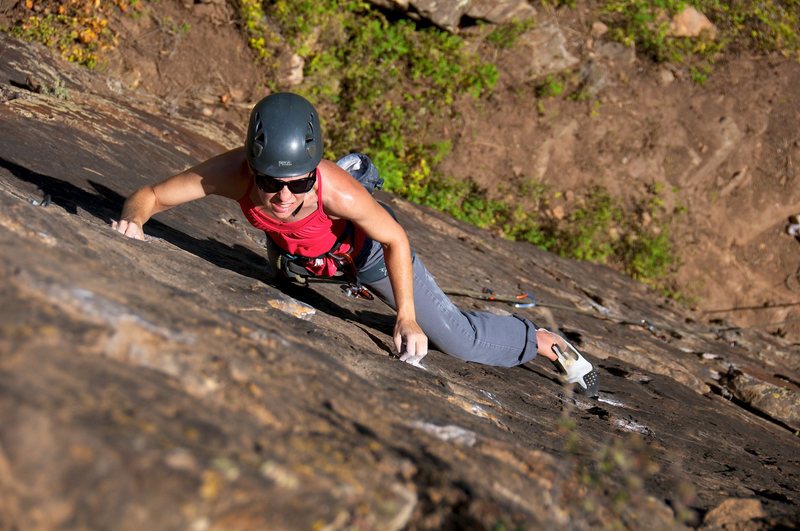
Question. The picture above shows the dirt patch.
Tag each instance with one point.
(190, 54)
(724, 156)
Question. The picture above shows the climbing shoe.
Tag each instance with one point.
(576, 369)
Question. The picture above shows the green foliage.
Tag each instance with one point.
(599, 229)
(552, 87)
(171, 27)
(602, 231)
(57, 89)
(254, 23)
(78, 30)
(592, 231)
(646, 24)
(699, 74)
(567, 84)
(505, 35)
(765, 25)
(768, 25)
(381, 84)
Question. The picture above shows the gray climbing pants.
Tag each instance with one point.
(481, 337)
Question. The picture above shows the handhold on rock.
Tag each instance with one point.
(293, 307)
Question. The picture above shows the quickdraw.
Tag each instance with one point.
(357, 291)
(522, 300)
(526, 300)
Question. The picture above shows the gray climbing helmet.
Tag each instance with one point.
(284, 138)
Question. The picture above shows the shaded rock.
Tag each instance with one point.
(616, 52)
(778, 402)
(732, 513)
(447, 14)
(444, 13)
(541, 51)
(594, 78)
(665, 76)
(500, 12)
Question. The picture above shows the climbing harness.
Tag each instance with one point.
(294, 266)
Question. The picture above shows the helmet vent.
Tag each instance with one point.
(259, 141)
(310, 135)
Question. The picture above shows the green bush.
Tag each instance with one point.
(763, 25)
(381, 83)
(78, 30)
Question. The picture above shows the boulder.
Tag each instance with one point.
(447, 14)
(733, 513)
(691, 23)
(775, 401)
(500, 12)
(539, 52)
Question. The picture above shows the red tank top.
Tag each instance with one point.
(310, 237)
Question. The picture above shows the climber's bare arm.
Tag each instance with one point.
(224, 175)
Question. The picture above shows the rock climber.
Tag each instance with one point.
(321, 221)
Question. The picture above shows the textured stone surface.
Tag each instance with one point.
(771, 399)
(545, 51)
(152, 385)
(691, 23)
(734, 511)
(447, 14)
(500, 11)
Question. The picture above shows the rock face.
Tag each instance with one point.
(168, 384)
(448, 14)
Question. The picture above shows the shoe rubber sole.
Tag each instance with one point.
(577, 370)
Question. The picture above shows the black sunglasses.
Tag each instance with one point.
(272, 185)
